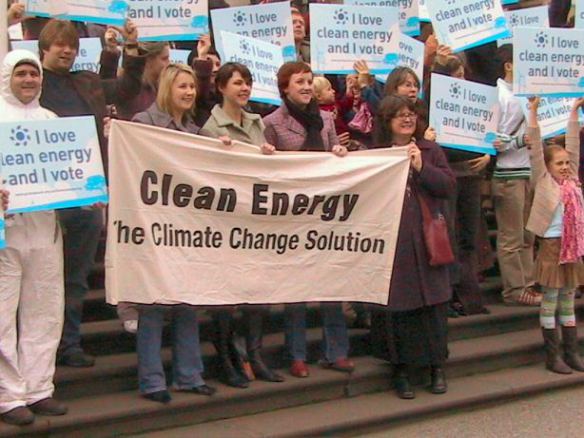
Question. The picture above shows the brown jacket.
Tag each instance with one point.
(547, 190)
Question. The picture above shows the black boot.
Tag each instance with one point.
(223, 339)
(402, 384)
(571, 355)
(253, 320)
(554, 361)
(438, 384)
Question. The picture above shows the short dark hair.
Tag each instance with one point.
(397, 77)
(287, 70)
(504, 55)
(227, 70)
(388, 109)
(58, 31)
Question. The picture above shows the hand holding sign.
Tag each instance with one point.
(15, 13)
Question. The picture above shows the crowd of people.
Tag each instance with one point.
(534, 190)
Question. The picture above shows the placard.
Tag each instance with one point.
(463, 24)
(270, 22)
(263, 60)
(579, 13)
(87, 58)
(553, 114)
(45, 8)
(174, 20)
(112, 12)
(50, 164)
(410, 53)
(528, 17)
(341, 35)
(409, 19)
(179, 56)
(423, 11)
(548, 62)
(464, 114)
(191, 222)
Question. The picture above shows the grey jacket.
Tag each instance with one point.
(156, 117)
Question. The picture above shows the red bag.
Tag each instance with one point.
(436, 236)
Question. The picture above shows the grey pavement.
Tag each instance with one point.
(556, 414)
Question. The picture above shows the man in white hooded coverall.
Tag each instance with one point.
(31, 273)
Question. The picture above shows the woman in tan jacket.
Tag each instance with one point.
(557, 218)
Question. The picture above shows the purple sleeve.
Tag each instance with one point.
(436, 178)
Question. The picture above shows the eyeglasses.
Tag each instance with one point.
(411, 116)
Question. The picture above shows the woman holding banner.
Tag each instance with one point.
(412, 329)
(233, 83)
(171, 110)
(299, 125)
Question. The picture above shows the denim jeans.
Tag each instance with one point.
(335, 336)
(187, 365)
(82, 231)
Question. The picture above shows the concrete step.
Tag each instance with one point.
(352, 417)
(124, 412)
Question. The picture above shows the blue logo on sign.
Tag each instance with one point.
(118, 7)
(289, 52)
(20, 136)
(391, 58)
(500, 22)
(455, 91)
(201, 21)
(95, 182)
(240, 19)
(541, 39)
(341, 16)
(490, 137)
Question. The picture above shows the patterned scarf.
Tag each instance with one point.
(573, 221)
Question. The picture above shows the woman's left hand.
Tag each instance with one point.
(107, 126)
(267, 149)
(478, 164)
(415, 155)
(430, 134)
(339, 151)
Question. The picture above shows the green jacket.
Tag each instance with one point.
(251, 131)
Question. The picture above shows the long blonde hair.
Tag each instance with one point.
(167, 78)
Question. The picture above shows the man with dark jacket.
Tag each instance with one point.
(81, 93)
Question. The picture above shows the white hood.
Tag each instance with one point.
(10, 107)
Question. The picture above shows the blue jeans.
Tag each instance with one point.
(335, 336)
(187, 365)
(82, 231)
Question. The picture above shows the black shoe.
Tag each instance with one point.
(48, 406)
(201, 390)
(438, 385)
(403, 387)
(159, 396)
(20, 416)
(77, 359)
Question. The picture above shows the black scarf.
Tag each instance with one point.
(311, 120)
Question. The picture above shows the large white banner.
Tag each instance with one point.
(191, 221)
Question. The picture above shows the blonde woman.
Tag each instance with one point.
(172, 110)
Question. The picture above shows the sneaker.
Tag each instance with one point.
(131, 326)
(48, 406)
(162, 396)
(528, 297)
(20, 416)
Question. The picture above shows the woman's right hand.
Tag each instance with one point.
(415, 155)
(345, 139)
(430, 134)
(203, 46)
(267, 148)
(4, 195)
(578, 103)
(226, 140)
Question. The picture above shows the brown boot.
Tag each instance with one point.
(554, 361)
(571, 354)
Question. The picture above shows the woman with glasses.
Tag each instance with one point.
(411, 331)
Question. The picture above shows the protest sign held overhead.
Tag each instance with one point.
(552, 114)
(464, 114)
(409, 19)
(45, 8)
(548, 62)
(263, 60)
(410, 54)
(270, 22)
(463, 24)
(579, 15)
(191, 221)
(341, 35)
(528, 17)
(51, 164)
(97, 11)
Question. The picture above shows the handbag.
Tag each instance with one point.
(363, 120)
(435, 236)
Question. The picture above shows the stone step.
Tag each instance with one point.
(124, 412)
(476, 347)
(370, 413)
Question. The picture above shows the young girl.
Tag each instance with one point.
(557, 218)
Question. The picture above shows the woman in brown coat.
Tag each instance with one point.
(412, 329)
